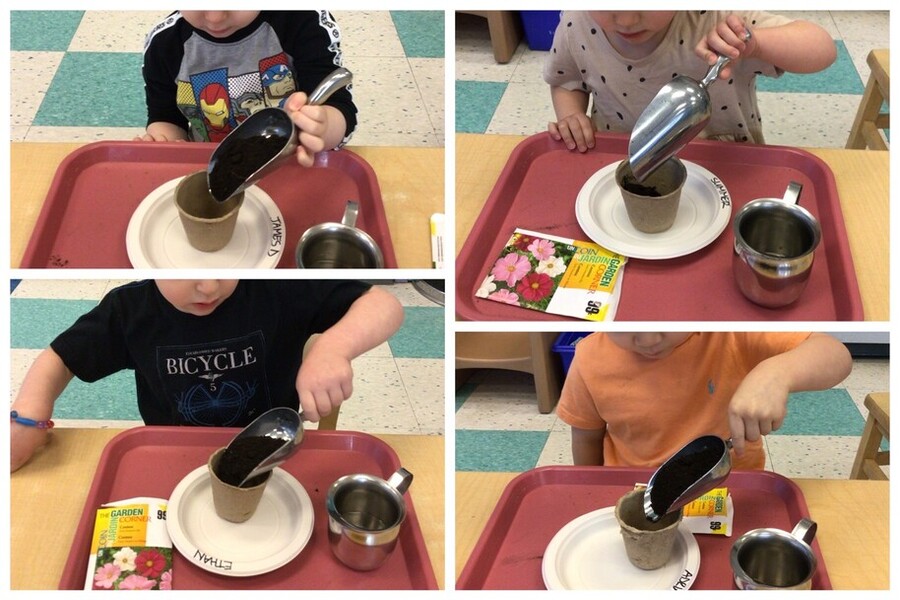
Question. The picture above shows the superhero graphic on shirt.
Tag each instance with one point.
(216, 101)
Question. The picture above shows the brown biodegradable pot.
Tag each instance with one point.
(647, 544)
(235, 504)
(652, 204)
(208, 223)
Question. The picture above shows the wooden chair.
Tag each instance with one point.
(329, 422)
(869, 118)
(870, 458)
(515, 351)
(505, 29)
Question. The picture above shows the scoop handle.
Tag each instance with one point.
(339, 78)
(713, 73)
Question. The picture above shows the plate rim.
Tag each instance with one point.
(582, 211)
(132, 232)
(186, 547)
(690, 541)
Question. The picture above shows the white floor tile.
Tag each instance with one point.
(83, 134)
(810, 456)
(61, 289)
(807, 120)
(32, 73)
(423, 380)
(367, 34)
(114, 31)
(524, 109)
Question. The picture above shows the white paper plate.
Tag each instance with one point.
(588, 554)
(703, 213)
(155, 238)
(272, 537)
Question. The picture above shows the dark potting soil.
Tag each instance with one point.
(631, 184)
(679, 475)
(241, 160)
(242, 456)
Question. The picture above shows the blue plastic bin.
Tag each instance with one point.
(565, 347)
(539, 25)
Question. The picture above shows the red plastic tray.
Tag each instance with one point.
(150, 461)
(97, 188)
(538, 503)
(537, 190)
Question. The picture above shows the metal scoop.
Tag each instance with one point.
(698, 467)
(673, 118)
(232, 170)
(278, 423)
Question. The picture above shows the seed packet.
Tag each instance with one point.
(556, 275)
(130, 548)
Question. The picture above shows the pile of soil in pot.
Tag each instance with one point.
(242, 456)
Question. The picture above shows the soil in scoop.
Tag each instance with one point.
(242, 456)
(241, 160)
(679, 475)
(631, 184)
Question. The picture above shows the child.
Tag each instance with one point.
(634, 399)
(207, 71)
(620, 60)
(212, 352)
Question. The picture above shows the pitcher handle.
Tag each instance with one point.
(400, 480)
(805, 530)
(792, 193)
(350, 214)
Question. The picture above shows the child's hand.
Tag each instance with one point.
(160, 131)
(730, 38)
(23, 442)
(758, 406)
(313, 123)
(576, 131)
(324, 381)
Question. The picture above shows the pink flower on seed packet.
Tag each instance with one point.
(541, 249)
(165, 582)
(505, 296)
(105, 576)
(136, 582)
(535, 286)
(511, 268)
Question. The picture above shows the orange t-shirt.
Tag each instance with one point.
(651, 408)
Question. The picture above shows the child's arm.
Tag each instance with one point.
(573, 126)
(162, 131)
(321, 127)
(759, 405)
(44, 382)
(797, 47)
(325, 378)
(587, 446)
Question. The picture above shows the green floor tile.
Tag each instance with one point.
(421, 32)
(42, 30)
(829, 412)
(498, 451)
(95, 89)
(840, 78)
(476, 103)
(111, 398)
(34, 322)
(421, 335)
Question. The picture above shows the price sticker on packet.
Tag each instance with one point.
(712, 513)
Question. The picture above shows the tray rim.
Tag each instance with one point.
(534, 145)
(72, 576)
(45, 224)
(530, 479)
